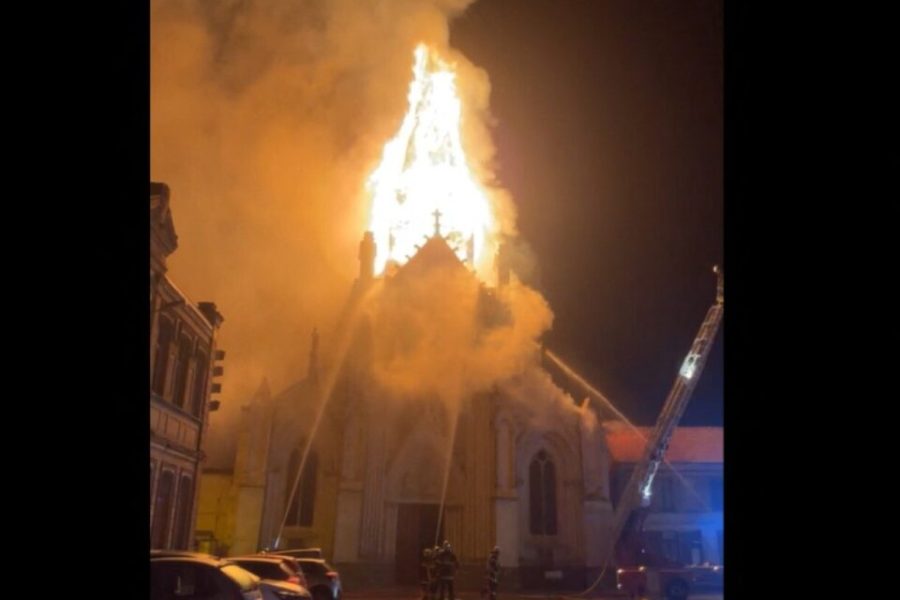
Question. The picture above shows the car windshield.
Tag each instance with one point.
(247, 580)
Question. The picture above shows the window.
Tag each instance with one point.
(181, 537)
(691, 494)
(542, 488)
(303, 502)
(160, 363)
(201, 370)
(182, 370)
(151, 483)
(159, 536)
(690, 548)
(663, 499)
(669, 545)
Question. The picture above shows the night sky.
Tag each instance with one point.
(609, 136)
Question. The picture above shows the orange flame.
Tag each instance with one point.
(423, 181)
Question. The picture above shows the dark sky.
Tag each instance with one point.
(609, 137)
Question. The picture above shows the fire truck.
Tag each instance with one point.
(643, 571)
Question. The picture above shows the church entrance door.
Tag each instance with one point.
(416, 525)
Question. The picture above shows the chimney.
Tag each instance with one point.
(367, 257)
(211, 313)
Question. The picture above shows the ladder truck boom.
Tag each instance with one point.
(638, 490)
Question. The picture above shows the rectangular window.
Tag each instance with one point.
(670, 545)
(161, 362)
(690, 548)
(200, 372)
(663, 499)
(185, 349)
(184, 513)
(151, 482)
(162, 512)
(692, 495)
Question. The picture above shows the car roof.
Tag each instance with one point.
(268, 559)
(200, 560)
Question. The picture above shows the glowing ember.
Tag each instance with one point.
(423, 180)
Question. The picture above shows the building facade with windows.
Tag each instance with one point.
(685, 524)
(182, 366)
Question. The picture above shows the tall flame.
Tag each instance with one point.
(423, 181)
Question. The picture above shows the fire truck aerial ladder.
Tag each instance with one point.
(631, 510)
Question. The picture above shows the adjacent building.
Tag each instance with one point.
(685, 524)
(183, 357)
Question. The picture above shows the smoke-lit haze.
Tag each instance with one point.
(266, 120)
(266, 117)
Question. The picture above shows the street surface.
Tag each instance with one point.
(415, 594)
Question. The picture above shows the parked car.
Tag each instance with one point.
(289, 561)
(324, 581)
(275, 568)
(190, 577)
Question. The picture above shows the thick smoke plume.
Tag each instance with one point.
(267, 117)
(441, 333)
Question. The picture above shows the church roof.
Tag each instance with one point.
(689, 444)
(434, 253)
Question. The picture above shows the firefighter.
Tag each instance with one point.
(492, 578)
(447, 564)
(435, 572)
(428, 574)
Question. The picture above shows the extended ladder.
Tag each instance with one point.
(638, 490)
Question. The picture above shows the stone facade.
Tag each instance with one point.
(182, 353)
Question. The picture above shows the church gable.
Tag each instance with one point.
(435, 254)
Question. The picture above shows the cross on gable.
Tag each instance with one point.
(437, 222)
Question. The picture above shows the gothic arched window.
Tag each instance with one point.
(542, 488)
(304, 500)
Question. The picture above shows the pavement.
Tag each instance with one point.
(416, 594)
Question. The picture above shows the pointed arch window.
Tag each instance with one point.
(303, 503)
(542, 488)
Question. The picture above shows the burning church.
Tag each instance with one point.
(426, 414)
